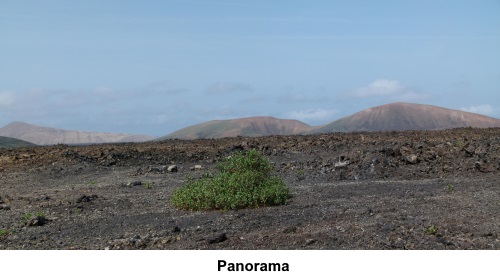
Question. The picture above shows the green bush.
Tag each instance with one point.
(430, 230)
(244, 180)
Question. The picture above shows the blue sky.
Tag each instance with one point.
(152, 67)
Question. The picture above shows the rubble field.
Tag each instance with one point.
(366, 190)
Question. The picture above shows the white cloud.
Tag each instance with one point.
(226, 88)
(159, 88)
(102, 108)
(393, 90)
(307, 95)
(221, 113)
(380, 87)
(6, 98)
(27, 100)
(103, 90)
(313, 115)
(253, 99)
(301, 98)
(479, 109)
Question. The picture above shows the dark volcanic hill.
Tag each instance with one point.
(407, 116)
(253, 126)
(8, 142)
(51, 136)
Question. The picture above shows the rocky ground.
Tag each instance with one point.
(384, 190)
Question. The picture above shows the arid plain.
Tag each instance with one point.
(370, 190)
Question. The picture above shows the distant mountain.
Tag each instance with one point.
(407, 116)
(51, 136)
(253, 126)
(7, 142)
(394, 116)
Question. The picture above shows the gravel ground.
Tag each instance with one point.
(381, 190)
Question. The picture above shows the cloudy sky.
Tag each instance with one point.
(152, 67)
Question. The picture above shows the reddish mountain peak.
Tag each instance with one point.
(249, 126)
(407, 116)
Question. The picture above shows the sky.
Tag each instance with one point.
(153, 67)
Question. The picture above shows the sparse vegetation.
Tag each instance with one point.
(459, 143)
(300, 172)
(28, 217)
(430, 230)
(244, 180)
(390, 206)
(149, 185)
(4, 232)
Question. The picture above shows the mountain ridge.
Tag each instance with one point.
(389, 117)
(50, 136)
(249, 126)
(407, 116)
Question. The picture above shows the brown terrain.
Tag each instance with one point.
(52, 136)
(390, 117)
(251, 126)
(370, 190)
(404, 116)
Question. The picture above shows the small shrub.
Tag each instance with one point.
(4, 233)
(244, 180)
(27, 217)
(459, 144)
(430, 230)
(35, 219)
(149, 185)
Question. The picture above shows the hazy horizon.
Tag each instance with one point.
(155, 67)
